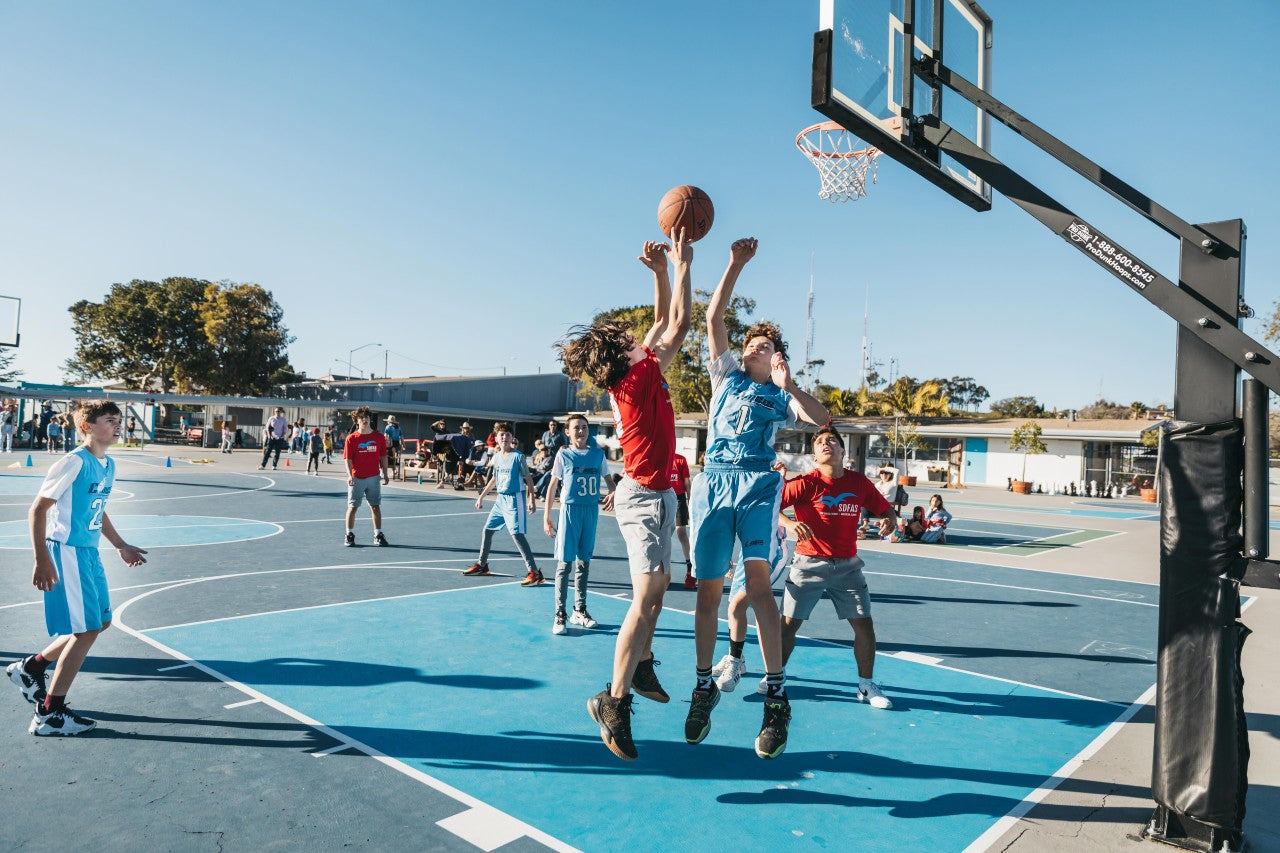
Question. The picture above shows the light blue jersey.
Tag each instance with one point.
(745, 417)
(509, 472)
(579, 473)
(81, 484)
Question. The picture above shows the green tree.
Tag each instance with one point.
(963, 392)
(906, 396)
(687, 377)
(178, 334)
(904, 437)
(1026, 438)
(7, 374)
(1017, 407)
(145, 333)
(245, 331)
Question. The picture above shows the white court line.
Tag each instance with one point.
(960, 558)
(321, 606)
(242, 704)
(1020, 588)
(171, 668)
(331, 750)
(219, 494)
(393, 763)
(336, 520)
(1000, 827)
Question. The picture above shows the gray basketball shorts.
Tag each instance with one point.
(366, 489)
(840, 578)
(647, 521)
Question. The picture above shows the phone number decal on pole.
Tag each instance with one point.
(1107, 253)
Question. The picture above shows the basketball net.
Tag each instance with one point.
(843, 160)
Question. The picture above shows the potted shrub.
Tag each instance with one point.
(903, 436)
(1027, 439)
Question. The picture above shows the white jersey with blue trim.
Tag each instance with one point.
(745, 416)
(579, 472)
(80, 483)
(509, 471)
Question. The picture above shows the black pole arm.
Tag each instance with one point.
(934, 72)
(1196, 315)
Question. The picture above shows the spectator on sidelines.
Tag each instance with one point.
(273, 439)
(228, 437)
(42, 425)
(936, 521)
(8, 426)
(132, 428)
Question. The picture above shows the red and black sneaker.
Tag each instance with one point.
(534, 578)
(477, 569)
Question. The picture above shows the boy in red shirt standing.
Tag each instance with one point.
(366, 453)
(828, 502)
(680, 485)
(644, 502)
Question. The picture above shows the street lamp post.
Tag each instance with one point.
(350, 369)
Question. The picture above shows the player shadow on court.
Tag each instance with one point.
(209, 732)
(302, 672)
(978, 540)
(942, 651)
(898, 598)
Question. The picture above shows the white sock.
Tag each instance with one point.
(350, 530)
(863, 682)
(377, 531)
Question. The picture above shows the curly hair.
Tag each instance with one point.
(90, 410)
(766, 329)
(362, 412)
(598, 351)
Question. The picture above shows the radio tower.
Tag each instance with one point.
(810, 380)
(866, 344)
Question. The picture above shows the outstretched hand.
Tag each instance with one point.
(743, 250)
(654, 255)
(780, 371)
(682, 249)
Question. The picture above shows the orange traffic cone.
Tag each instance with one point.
(286, 463)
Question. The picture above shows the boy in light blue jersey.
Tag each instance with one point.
(513, 483)
(582, 468)
(66, 519)
(737, 497)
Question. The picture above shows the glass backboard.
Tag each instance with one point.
(10, 314)
(858, 79)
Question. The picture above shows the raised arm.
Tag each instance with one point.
(654, 256)
(717, 337)
(679, 310)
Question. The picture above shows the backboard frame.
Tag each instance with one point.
(901, 85)
(10, 321)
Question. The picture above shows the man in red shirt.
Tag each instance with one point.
(645, 505)
(680, 485)
(828, 502)
(366, 453)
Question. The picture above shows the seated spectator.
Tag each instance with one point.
(936, 521)
(914, 527)
(477, 465)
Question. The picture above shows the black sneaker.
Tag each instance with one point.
(645, 682)
(614, 717)
(350, 541)
(61, 721)
(772, 739)
(698, 724)
(33, 687)
(380, 540)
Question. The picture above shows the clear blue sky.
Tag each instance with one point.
(462, 182)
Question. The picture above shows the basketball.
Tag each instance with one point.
(688, 208)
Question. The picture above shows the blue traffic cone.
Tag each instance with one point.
(168, 463)
(29, 464)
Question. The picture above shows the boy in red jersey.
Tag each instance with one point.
(828, 502)
(680, 484)
(366, 453)
(644, 502)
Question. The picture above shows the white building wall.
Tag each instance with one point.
(1062, 463)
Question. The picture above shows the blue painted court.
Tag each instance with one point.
(432, 681)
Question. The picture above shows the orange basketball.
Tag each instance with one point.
(688, 208)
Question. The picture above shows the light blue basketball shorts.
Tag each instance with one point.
(729, 505)
(777, 568)
(510, 511)
(79, 601)
(576, 536)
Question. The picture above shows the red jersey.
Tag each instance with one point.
(645, 423)
(679, 473)
(365, 452)
(832, 509)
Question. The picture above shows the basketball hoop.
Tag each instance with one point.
(843, 160)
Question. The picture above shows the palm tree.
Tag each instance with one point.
(907, 398)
